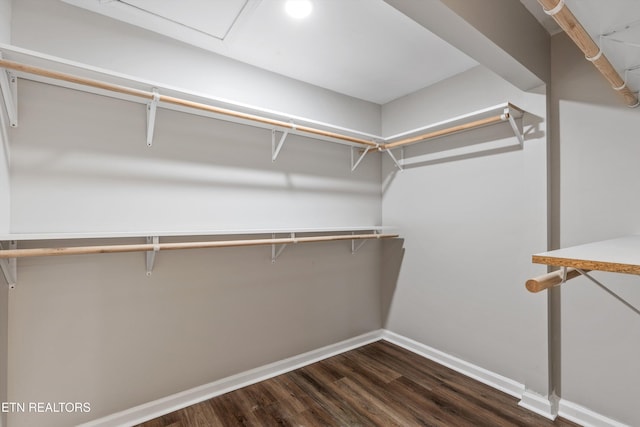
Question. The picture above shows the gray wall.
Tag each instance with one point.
(5, 21)
(86, 167)
(96, 328)
(595, 181)
(5, 37)
(510, 25)
(472, 209)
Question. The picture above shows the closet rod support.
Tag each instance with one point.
(9, 266)
(355, 164)
(275, 149)
(395, 160)
(607, 290)
(9, 87)
(550, 280)
(276, 252)
(151, 116)
(517, 130)
(356, 246)
(151, 255)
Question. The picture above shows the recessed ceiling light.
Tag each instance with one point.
(298, 9)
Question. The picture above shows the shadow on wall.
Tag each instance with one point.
(392, 255)
(112, 133)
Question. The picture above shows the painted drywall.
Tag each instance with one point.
(472, 209)
(5, 37)
(510, 25)
(5, 203)
(5, 21)
(5, 155)
(53, 27)
(595, 179)
(4, 343)
(500, 34)
(86, 167)
(103, 332)
(96, 329)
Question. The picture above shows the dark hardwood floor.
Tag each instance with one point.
(379, 384)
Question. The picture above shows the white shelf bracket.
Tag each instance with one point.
(9, 87)
(395, 160)
(151, 116)
(275, 149)
(607, 290)
(9, 266)
(353, 156)
(275, 251)
(151, 255)
(517, 130)
(356, 246)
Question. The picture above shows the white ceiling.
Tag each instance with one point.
(362, 48)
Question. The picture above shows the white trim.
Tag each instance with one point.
(585, 417)
(537, 403)
(157, 408)
(482, 375)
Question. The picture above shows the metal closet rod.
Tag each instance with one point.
(29, 69)
(12, 65)
(574, 29)
(105, 249)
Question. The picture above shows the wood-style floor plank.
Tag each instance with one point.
(379, 384)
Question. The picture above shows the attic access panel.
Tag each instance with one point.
(214, 18)
(203, 23)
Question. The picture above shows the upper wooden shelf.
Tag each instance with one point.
(46, 69)
(178, 233)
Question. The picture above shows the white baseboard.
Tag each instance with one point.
(539, 404)
(529, 400)
(157, 408)
(482, 375)
(585, 417)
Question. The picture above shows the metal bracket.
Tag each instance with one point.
(607, 290)
(151, 116)
(9, 86)
(398, 164)
(356, 246)
(10, 266)
(514, 126)
(275, 150)
(357, 162)
(151, 255)
(276, 252)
